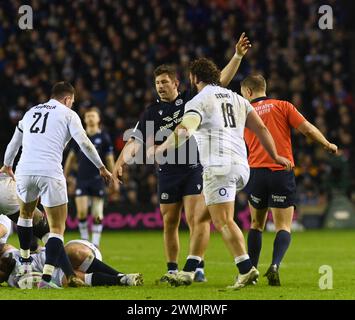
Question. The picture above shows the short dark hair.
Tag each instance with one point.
(93, 109)
(62, 89)
(205, 70)
(169, 69)
(255, 82)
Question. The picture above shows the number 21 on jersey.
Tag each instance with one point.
(37, 129)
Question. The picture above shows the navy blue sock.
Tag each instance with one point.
(103, 279)
(244, 266)
(64, 263)
(201, 264)
(25, 235)
(254, 246)
(56, 256)
(172, 266)
(191, 265)
(281, 244)
(99, 266)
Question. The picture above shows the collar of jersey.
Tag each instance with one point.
(178, 96)
(259, 99)
(55, 102)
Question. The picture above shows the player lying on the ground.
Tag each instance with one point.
(10, 207)
(84, 257)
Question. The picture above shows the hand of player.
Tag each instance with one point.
(242, 46)
(118, 171)
(331, 148)
(8, 170)
(106, 175)
(152, 151)
(284, 162)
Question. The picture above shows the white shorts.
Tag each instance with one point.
(221, 183)
(53, 192)
(8, 199)
(95, 250)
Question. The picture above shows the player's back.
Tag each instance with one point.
(279, 117)
(220, 135)
(46, 132)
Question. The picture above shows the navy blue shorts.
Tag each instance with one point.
(173, 186)
(90, 187)
(271, 189)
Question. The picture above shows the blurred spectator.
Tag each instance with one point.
(108, 50)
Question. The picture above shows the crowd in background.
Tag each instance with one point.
(108, 50)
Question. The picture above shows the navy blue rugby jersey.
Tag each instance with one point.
(166, 116)
(103, 145)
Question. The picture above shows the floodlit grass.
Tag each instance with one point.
(143, 252)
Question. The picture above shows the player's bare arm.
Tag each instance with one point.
(310, 131)
(128, 152)
(229, 71)
(255, 124)
(110, 162)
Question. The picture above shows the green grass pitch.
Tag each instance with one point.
(143, 252)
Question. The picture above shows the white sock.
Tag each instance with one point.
(200, 270)
(241, 258)
(88, 278)
(84, 231)
(96, 234)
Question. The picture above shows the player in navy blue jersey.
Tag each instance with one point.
(90, 188)
(179, 181)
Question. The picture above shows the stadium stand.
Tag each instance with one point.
(108, 50)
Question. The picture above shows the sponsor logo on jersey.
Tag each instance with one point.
(175, 115)
(178, 102)
(222, 192)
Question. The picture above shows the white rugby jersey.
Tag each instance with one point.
(220, 135)
(8, 198)
(6, 222)
(46, 129)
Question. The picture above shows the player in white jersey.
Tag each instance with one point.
(217, 118)
(43, 133)
(5, 228)
(10, 207)
(84, 257)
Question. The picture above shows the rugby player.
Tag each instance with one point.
(90, 187)
(10, 207)
(84, 257)
(180, 183)
(270, 185)
(43, 133)
(217, 117)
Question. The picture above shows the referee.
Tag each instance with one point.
(270, 185)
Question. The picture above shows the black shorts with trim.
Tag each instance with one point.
(176, 184)
(90, 187)
(273, 189)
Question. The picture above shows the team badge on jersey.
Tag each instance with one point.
(178, 102)
(164, 196)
